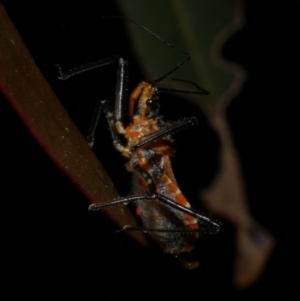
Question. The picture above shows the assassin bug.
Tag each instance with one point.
(146, 142)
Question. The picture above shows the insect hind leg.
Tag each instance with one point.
(213, 226)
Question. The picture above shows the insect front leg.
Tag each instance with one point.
(103, 106)
(115, 117)
(94, 124)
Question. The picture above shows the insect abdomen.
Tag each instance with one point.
(169, 227)
(166, 227)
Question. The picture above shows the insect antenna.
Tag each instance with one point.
(172, 70)
(198, 91)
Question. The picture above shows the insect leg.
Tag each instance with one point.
(168, 201)
(144, 174)
(168, 130)
(125, 200)
(152, 194)
(114, 117)
(146, 230)
(189, 211)
(86, 67)
(120, 91)
(164, 199)
(94, 124)
(103, 105)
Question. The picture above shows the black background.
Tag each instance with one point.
(50, 242)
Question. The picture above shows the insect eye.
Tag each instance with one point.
(152, 107)
(151, 102)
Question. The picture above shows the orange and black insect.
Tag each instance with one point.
(146, 140)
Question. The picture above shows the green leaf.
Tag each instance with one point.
(198, 27)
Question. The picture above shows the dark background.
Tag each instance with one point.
(50, 242)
